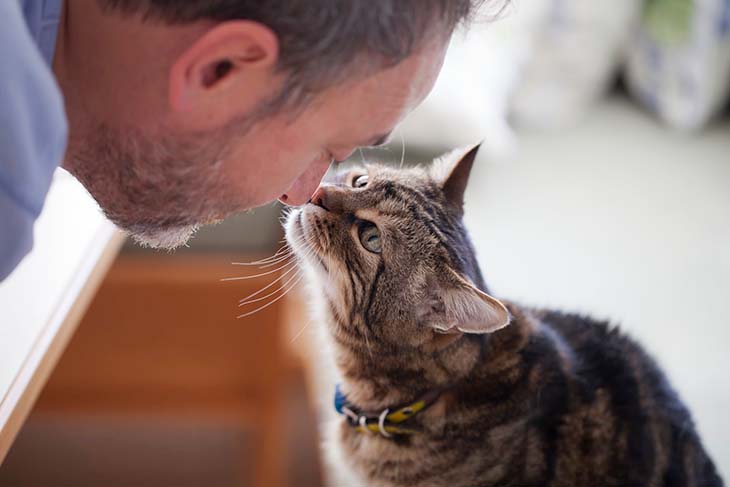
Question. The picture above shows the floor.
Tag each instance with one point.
(120, 451)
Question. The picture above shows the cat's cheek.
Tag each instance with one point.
(439, 341)
(460, 358)
(335, 287)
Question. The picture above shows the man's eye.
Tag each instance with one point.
(360, 181)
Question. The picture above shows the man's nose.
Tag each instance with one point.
(302, 189)
(343, 155)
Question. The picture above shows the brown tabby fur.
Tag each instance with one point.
(551, 399)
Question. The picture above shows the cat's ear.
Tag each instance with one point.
(466, 309)
(453, 173)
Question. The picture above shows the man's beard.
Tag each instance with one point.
(159, 191)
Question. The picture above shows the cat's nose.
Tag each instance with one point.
(331, 197)
(319, 198)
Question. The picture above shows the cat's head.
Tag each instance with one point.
(389, 249)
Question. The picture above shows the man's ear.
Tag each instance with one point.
(464, 308)
(233, 58)
(452, 171)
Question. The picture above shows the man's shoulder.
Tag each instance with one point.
(41, 19)
(16, 237)
(33, 131)
(33, 126)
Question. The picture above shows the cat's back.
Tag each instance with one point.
(601, 356)
(619, 389)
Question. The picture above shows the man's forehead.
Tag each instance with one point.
(370, 108)
(409, 80)
(405, 85)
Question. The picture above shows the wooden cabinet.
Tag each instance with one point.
(161, 342)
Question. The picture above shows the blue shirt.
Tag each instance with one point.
(33, 127)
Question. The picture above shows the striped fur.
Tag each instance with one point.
(552, 399)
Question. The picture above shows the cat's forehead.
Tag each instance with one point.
(395, 192)
(388, 190)
(411, 176)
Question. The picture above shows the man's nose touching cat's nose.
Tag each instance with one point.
(327, 197)
(319, 198)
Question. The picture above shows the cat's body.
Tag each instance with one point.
(552, 400)
(549, 400)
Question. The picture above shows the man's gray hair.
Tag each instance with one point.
(322, 42)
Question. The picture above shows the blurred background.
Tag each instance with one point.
(602, 186)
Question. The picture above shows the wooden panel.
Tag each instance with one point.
(171, 325)
(162, 337)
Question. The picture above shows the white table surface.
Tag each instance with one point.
(42, 301)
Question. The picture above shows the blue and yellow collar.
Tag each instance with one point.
(387, 423)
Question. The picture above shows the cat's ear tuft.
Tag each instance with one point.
(453, 171)
(469, 310)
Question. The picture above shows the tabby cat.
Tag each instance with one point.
(444, 385)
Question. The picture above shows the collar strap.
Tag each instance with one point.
(388, 421)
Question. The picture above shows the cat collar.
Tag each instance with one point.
(387, 423)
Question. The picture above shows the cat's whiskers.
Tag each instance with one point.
(282, 255)
(284, 251)
(261, 274)
(302, 242)
(288, 258)
(289, 255)
(284, 284)
(307, 251)
(403, 149)
(299, 278)
(266, 263)
(282, 276)
(256, 300)
(286, 290)
(299, 333)
(285, 212)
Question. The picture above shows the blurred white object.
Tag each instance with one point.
(578, 49)
(543, 62)
(470, 100)
(679, 65)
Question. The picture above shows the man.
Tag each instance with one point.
(176, 113)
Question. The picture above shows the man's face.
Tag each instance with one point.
(287, 160)
(161, 184)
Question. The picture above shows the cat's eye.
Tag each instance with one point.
(370, 237)
(360, 181)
